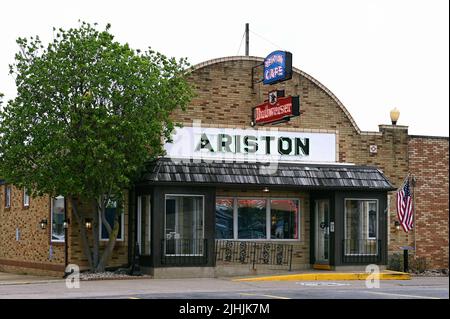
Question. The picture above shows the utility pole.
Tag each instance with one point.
(247, 44)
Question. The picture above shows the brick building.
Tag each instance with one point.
(328, 202)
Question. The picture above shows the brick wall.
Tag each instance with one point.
(76, 254)
(32, 251)
(428, 163)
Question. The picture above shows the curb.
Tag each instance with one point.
(391, 275)
(30, 282)
(117, 278)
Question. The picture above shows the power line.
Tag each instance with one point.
(267, 40)
(240, 43)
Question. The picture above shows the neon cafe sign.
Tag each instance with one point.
(277, 67)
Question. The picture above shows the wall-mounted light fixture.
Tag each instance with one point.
(66, 223)
(43, 223)
(88, 223)
(395, 114)
(397, 225)
(266, 189)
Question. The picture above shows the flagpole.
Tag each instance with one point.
(414, 213)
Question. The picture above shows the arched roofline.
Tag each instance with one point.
(298, 71)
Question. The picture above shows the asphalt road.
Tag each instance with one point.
(417, 288)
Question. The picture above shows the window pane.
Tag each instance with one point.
(372, 221)
(360, 227)
(26, 197)
(8, 196)
(284, 219)
(252, 219)
(224, 218)
(184, 225)
(110, 212)
(58, 219)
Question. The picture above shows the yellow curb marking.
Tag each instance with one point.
(335, 276)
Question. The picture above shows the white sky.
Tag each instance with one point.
(373, 55)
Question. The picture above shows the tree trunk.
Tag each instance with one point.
(96, 234)
(109, 248)
(84, 239)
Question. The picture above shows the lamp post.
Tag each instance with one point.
(395, 114)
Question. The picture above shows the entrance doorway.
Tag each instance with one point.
(322, 231)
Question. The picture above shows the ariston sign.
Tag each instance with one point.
(264, 145)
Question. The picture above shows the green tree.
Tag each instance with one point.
(89, 113)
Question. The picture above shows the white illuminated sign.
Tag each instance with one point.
(260, 145)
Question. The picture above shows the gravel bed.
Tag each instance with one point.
(432, 273)
(85, 276)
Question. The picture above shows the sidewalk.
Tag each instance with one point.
(307, 275)
(17, 279)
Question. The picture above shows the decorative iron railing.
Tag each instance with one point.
(184, 252)
(254, 253)
(361, 251)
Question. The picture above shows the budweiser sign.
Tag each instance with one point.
(276, 109)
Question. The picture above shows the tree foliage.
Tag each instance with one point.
(89, 113)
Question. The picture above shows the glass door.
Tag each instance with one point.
(322, 231)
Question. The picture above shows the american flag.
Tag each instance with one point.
(405, 207)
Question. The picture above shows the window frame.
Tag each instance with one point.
(26, 195)
(268, 218)
(367, 225)
(298, 219)
(8, 196)
(51, 221)
(184, 195)
(233, 199)
(165, 221)
(237, 218)
(122, 227)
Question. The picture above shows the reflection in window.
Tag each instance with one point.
(224, 218)
(284, 217)
(372, 219)
(184, 225)
(251, 218)
(57, 206)
(360, 227)
(26, 198)
(7, 196)
(110, 214)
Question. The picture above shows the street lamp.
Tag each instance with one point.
(397, 225)
(395, 113)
